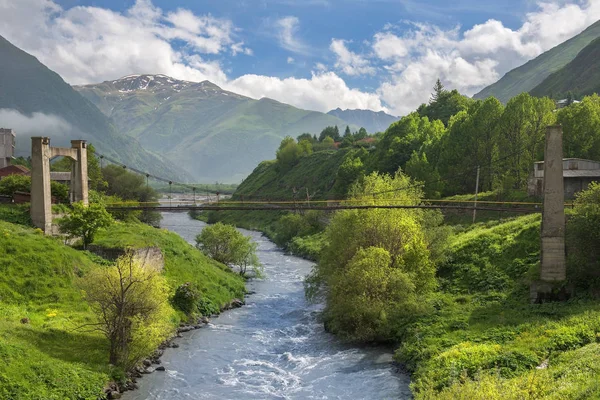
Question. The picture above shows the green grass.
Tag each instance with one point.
(52, 356)
(16, 214)
(183, 263)
(47, 358)
(482, 339)
(316, 173)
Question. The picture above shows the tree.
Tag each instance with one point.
(21, 183)
(419, 169)
(376, 267)
(131, 187)
(438, 91)
(581, 124)
(521, 137)
(289, 153)
(347, 132)
(361, 134)
(306, 136)
(306, 147)
(350, 171)
(85, 222)
(583, 238)
(402, 138)
(331, 131)
(227, 245)
(444, 105)
(129, 300)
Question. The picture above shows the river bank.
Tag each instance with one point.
(274, 347)
(479, 337)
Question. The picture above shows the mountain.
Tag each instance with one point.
(35, 101)
(212, 133)
(581, 76)
(372, 121)
(531, 74)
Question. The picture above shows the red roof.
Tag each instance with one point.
(14, 170)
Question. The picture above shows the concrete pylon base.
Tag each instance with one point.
(545, 292)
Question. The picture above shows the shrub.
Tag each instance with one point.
(186, 298)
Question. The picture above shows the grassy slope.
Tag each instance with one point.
(581, 76)
(531, 74)
(316, 173)
(482, 326)
(49, 358)
(183, 263)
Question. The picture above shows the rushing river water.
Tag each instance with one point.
(272, 348)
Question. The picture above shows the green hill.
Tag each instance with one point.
(581, 76)
(28, 87)
(48, 349)
(212, 133)
(531, 74)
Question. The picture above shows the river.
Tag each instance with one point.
(272, 348)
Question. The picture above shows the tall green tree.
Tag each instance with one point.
(376, 265)
(444, 104)
(347, 132)
(581, 124)
(402, 138)
(521, 137)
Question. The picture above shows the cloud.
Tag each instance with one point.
(324, 91)
(290, 60)
(349, 62)
(416, 54)
(36, 124)
(287, 30)
(91, 44)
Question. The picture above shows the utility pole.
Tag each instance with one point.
(170, 194)
(476, 192)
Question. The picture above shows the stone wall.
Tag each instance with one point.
(148, 256)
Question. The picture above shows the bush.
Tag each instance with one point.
(129, 300)
(186, 298)
(583, 238)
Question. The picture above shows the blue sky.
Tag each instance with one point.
(314, 54)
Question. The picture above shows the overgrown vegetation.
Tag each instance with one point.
(229, 246)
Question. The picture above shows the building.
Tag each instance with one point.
(577, 174)
(14, 170)
(7, 146)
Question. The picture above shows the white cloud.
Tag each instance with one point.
(287, 30)
(36, 124)
(323, 91)
(91, 44)
(349, 62)
(290, 60)
(471, 60)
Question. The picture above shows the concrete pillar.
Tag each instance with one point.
(553, 261)
(79, 173)
(41, 200)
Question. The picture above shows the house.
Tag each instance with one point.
(14, 170)
(565, 102)
(577, 175)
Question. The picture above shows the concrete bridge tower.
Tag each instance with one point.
(41, 200)
(553, 271)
